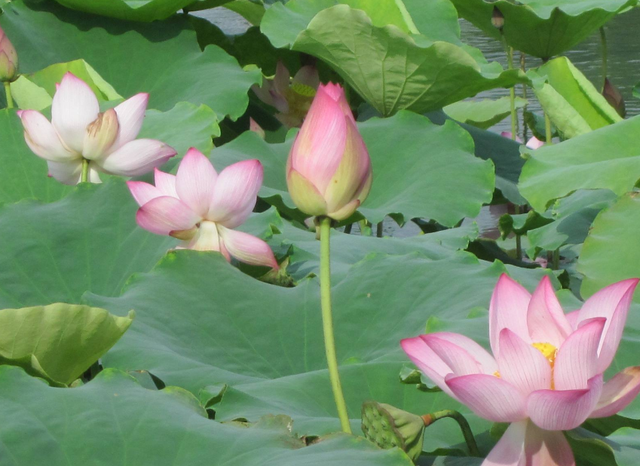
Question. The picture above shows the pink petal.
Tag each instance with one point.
(534, 143)
(488, 396)
(351, 173)
(577, 359)
(195, 181)
(509, 451)
(66, 172)
(508, 309)
(42, 138)
(307, 76)
(281, 80)
(165, 182)
(545, 318)
(522, 365)
(143, 192)
(345, 211)
(618, 392)
(308, 199)
(247, 248)
(458, 359)
(509, 135)
(319, 146)
(336, 92)
(130, 117)
(487, 363)
(564, 409)
(165, 214)
(100, 135)
(74, 107)
(235, 193)
(572, 318)
(546, 448)
(611, 303)
(427, 361)
(137, 157)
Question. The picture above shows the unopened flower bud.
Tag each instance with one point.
(8, 59)
(497, 19)
(614, 97)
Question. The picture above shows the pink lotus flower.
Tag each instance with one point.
(546, 376)
(329, 170)
(202, 207)
(78, 131)
(532, 143)
(291, 97)
(8, 59)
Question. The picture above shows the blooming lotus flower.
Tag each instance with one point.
(291, 97)
(201, 207)
(78, 131)
(329, 170)
(532, 143)
(8, 59)
(546, 372)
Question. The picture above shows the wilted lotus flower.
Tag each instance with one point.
(614, 97)
(532, 143)
(78, 131)
(292, 98)
(8, 59)
(547, 375)
(329, 170)
(202, 207)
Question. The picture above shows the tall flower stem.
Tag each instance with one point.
(603, 40)
(84, 177)
(462, 422)
(327, 322)
(7, 91)
(514, 135)
(547, 128)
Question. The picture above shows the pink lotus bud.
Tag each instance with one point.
(614, 97)
(329, 170)
(256, 128)
(8, 59)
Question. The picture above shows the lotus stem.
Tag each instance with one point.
(603, 41)
(547, 128)
(327, 322)
(512, 98)
(462, 422)
(85, 171)
(7, 91)
(523, 67)
(379, 229)
(348, 228)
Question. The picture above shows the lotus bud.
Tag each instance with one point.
(614, 97)
(329, 170)
(256, 128)
(390, 427)
(497, 19)
(8, 59)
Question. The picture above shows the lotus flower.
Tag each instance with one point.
(532, 143)
(292, 98)
(329, 170)
(201, 207)
(79, 131)
(546, 372)
(8, 59)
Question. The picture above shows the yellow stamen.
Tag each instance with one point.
(497, 374)
(548, 351)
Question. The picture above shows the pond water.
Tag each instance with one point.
(623, 70)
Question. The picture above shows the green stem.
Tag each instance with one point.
(379, 230)
(518, 237)
(85, 171)
(547, 128)
(348, 228)
(7, 91)
(603, 40)
(523, 67)
(556, 259)
(327, 323)
(462, 422)
(512, 98)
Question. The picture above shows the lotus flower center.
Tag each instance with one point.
(548, 351)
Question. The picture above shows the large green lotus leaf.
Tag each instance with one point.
(88, 241)
(389, 68)
(60, 341)
(610, 252)
(484, 113)
(163, 59)
(573, 104)
(419, 169)
(131, 10)
(542, 28)
(608, 158)
(437, 19)
(620, 449)
(24, 175)
(573, 216)
(198, 325)
(115, 421)
(35, 91)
